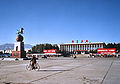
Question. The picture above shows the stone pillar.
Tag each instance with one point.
(99, 46)
(79, 46)
(72, 48)
(94, 46)
(68, 48)
(84, 47)
(88, 46)
(91, 46)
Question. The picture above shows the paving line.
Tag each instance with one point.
(107, 72)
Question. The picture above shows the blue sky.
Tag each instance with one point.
(60, 21)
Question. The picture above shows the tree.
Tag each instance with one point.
(113, 45)
(29, 51)
(39, 48)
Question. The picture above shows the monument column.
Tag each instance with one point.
(19, 46)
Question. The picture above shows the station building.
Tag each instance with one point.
(80, 48)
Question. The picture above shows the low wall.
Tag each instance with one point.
(82, 55)
(11, 59)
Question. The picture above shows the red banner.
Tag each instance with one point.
(49, 51)
(106, 51)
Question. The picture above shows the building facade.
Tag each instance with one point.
(80, 48)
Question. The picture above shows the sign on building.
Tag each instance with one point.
(49, 51)
(106, 51)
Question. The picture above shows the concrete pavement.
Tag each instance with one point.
(62, 71)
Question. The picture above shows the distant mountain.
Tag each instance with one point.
(11, 46)
(28, 46)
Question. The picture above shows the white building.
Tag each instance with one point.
(6, 51)
(2, 51)
(80, 48)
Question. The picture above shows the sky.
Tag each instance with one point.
(60, 21)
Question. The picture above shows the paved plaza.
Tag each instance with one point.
(62, 71)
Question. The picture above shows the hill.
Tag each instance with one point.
(11, 46)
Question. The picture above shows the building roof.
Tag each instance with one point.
(82, 43)
(79, 50)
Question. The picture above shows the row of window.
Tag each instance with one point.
(80, 47)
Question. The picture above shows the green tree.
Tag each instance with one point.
(113, 45)
(39, 48)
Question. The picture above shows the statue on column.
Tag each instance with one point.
(19, 37)
(21, 31)
(19, 45)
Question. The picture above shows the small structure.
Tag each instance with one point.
(19, 51)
